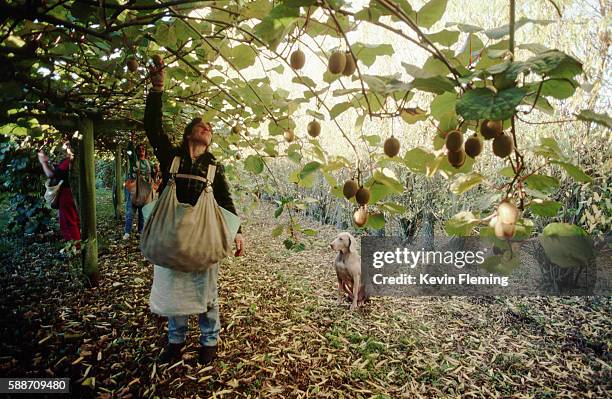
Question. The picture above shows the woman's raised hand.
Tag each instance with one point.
(42, 158)
(157, 73)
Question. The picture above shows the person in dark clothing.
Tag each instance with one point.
(175, 294)
(68, 216)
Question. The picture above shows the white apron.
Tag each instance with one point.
(177, 293)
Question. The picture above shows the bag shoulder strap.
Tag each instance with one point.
(212, 170)
(176, 162)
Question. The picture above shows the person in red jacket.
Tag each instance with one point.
(68, 216)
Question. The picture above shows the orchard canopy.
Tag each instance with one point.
(422, 72)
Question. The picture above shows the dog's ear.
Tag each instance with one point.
(352, 244)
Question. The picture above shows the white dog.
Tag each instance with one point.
(348, 269)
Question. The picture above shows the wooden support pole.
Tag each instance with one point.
(118, 182)
(87, 190)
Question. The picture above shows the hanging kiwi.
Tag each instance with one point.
(350, 66)
(491, 129)
(454, 140)
(289, 136)
(350, 188)
(504, 231)
(297, 59)
(503, 146)
(456, 158)
(236, 129)
(157, 60)
(362, 196)
(507, 212)
(473, 146)
(391, 147)
(337, 62)
(314, 128)
(360, 217)
(132, 64)
(237, 156)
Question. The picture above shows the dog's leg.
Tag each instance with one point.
(340, 292)
(356, 285)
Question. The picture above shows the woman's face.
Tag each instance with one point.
(201, 134)
(67, 149)
(141, 152)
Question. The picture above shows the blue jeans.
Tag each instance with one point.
(209, 327)
(129, 209)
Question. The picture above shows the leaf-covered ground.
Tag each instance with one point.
(284, 336)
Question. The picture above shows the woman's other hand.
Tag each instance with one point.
(239, 240)
(157, 76)
(42, 158)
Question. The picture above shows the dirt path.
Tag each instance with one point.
(284, 336)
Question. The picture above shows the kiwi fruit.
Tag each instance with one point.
(157, 60)
(491, 129)
(454, 140)
(507, 212)
(238, 156)
(504, 231)
(337, 62)
(132, 64)
(236, 129)
(350, 66)
(360, 217)
(473, 146)
(503, 146)
(456, 158)
(350, 189)
(362, 196)
(314, 128)
(391, 147)
(289, 136)
(297, 59)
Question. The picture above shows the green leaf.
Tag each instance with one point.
(367, 53)
(376, 221)
(434, 66)
(575, 172)
(555, 64)
(431, 13)
(567, 245)
(416, 72)
(590, 116)
(557, 88)
(417, 159)
(444, 37)
(304, 80)
(378, 191)
(413, 115)
(372, 140)
(436, 84)
(278, 230)
(544, 208)
(275, 26)
(548, 148)
(392, 207)
(279, 210)
(309, 168)
(389, 181)
(242, 56)
(444, 105)
(483, 103)
(542, 183)
(375, 83)
(338, 109)
(524, 227)
(498, 33)
(506, 172)
(464, 182)
(461, 224)
(254, 163)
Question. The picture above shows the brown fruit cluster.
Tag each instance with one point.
(360, 217)
(351, 65)
(491, 129)
(391, 147)
(505, 223)
(503, 145)
(314, 128)
(362, 196)
(132, 64)
(454, 145)
(157, 60)
(297, 59)
(236, 129)
(473, 146)
(289, 136)
(337, 62)
(350, 188)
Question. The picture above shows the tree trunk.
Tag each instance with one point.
(87, 193)
(118, 183)
(427, 230)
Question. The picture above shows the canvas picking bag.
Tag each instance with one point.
(185, 237)
(52, 190)
(143, 193)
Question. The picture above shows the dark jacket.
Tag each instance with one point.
(187, 190)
